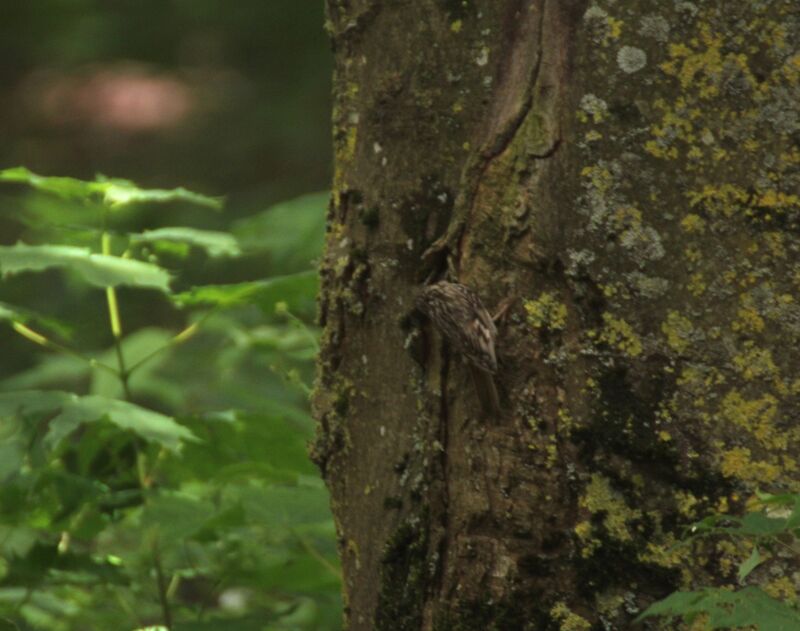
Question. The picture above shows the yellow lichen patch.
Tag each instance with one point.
(722, 199)
(737, 463)
(753, 363)
(687, 503)
(757, 416)
(658, 151)
(599, 177)
(666, 553)
(731, 554)
(626, 217)
(565, 420)
(775, 244)
(693, 223)
(599, 497)
(697, 284)
(693, 254)
(456, 26)
(782, 588)
(749, 320)
(569, 620)
(678, 331)
(350, 145)
(609, 602)
(341, 265)
(620, 335)
(778, 200)
(546, 312)
(590, 543)
(700, 64)
(615, 27)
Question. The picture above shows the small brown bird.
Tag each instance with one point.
(458, 313)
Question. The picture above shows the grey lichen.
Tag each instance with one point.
(631, 59)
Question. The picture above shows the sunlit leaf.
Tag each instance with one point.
(297, 291)
(122, 192)
(114, 192)
(213, 242)
(97, 269)
(66, 187)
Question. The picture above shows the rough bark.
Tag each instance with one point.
(628, 173)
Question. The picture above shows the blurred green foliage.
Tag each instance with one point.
(188, 477)
(158, 475)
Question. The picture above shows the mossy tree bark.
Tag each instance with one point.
(628, 173)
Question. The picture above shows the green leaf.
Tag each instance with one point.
(283, 506)
(297, 291)
(66, 187)
(753, 561)
(728, 609)
(292, 232)
(146, 380)
(70, 411)
(97, 269)
(760, 525)
(150, 425)
(118, 193)
(215, 243)
(52, 370)
(114, 192)
(30, 403)
(249, 623)
(12, 313)
(176, 516)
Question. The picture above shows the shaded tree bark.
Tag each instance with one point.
(628, 174)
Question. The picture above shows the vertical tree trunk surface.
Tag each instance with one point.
(627, 175)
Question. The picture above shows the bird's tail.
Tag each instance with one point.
(487, 391)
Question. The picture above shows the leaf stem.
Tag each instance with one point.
(179, 338)
(316, 554)
(116, 324)
(298, 323)
(161, 580)
(41, 340)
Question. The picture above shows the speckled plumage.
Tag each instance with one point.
(458, 313)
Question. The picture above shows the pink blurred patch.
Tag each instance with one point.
(126, 99)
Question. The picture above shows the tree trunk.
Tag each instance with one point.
(627, 175)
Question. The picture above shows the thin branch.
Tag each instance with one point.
(116, 324)
(41, 340)
(161, 581)
(318, 556)
(178, 339)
